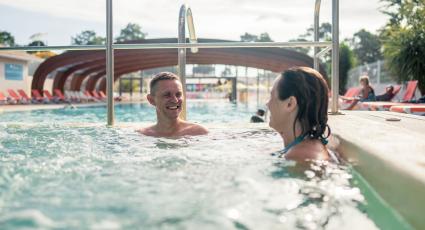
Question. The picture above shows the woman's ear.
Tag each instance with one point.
(292, 103)
(151, 99)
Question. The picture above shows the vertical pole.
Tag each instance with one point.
(120, 87)
(379, 71)
(131, 88)
(234, 88)
(258, 87)
(268, 83)
(316, 33)
(335, 55)
(182, 56)
(246, 83)
(109, 63)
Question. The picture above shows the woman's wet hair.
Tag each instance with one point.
(311, 91)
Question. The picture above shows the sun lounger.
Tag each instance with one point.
(417, 109)
(17, 98)
(36, 96)
(3, 99)
(384, 105)
(60, 95)
(97, 96)
(50, 97)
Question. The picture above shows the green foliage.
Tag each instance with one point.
(346, 62)
(131, 32)
(7, 38)
(367, 47)
(126, 85)
(88, 37)
(264, 37)
(404, 40)
(204, 69)
(325, 34)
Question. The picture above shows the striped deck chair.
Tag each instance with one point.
(16, 97)
(386, 105)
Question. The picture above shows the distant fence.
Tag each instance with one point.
(377, 72)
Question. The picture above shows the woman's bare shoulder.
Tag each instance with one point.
(308, 150)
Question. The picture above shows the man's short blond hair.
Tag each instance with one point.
(161, 77)
(365, 79)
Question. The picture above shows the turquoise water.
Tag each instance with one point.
(198, 111)
(55, 174)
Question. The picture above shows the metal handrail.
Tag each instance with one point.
(205, 45)
(181, 45)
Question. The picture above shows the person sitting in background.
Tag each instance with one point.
(388, 95)
(367, 93)
(258, 117)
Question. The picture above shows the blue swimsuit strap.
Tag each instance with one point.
(298, 140)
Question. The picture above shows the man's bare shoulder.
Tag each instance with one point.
(148, 131)
(193, 129)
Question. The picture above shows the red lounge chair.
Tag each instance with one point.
(97, 96)
(102, 95)
(50, 97)
(386, 105)
(3, 99)
(16, 97)
(37, 96)
(417, 109)
(60, 95)
(89, 96)
(24, 95)
(410, 90)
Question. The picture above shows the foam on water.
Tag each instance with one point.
(61, 176)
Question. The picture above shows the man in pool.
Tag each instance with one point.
(166, 94)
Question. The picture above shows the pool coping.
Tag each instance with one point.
(395, 169)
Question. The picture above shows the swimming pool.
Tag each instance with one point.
(63, 169)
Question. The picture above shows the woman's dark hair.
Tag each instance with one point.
(311, 91)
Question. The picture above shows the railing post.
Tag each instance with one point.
(182, 56)
(335, 56)
(109, 63)
(316, 32)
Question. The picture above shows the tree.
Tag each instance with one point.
(325, 33)
(367, 46)
(247, 37)
(404, 40)
(88, 37)
(204, 69)
(7, 38)
(264, 37)
(346, 62)
(131, 32)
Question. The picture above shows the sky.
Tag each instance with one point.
(58, 20)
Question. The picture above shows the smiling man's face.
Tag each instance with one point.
(168, 99)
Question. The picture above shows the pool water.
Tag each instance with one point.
(216, 111)
(56, 174)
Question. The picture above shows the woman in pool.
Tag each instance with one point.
(299, 112)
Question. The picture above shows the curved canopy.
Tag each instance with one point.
(89, 65)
